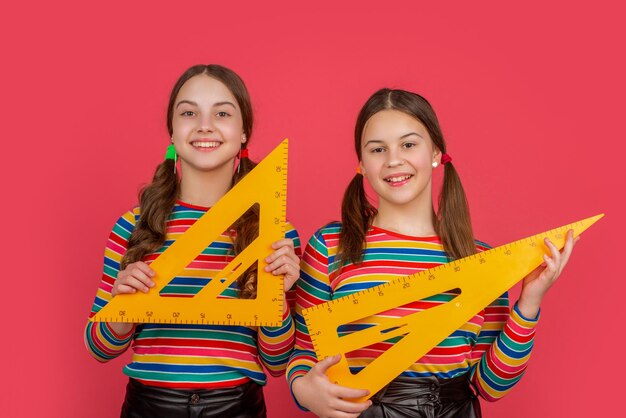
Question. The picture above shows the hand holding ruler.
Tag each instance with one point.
(265, 185)
(481, 278)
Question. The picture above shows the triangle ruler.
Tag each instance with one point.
(481, 279)
(265, 185)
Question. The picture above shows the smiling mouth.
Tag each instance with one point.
(398, 179)
(206, 144)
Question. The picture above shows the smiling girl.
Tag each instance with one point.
(399, 143)
(194, 370)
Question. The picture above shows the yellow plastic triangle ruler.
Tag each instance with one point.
(265, 185)
(481, 279)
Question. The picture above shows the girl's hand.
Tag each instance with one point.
(284, 261)
(325, 399)
(537, 283)
(136, 276)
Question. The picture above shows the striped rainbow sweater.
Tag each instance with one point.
(188, 356)
(494, 346)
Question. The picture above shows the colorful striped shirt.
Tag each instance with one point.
(188, 356)
(494, 346)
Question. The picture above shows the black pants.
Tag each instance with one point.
(143, 401)
(425, 397)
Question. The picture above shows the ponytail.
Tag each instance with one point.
(454, 225)
(156, 201)
(356, 216)
(246, 230)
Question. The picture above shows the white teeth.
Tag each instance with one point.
(212, 144)
(397, 179)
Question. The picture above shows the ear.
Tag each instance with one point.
(437, 155)
(244, 138)
(361, 168)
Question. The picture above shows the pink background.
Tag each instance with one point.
(530, 96)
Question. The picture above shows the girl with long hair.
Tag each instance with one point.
(399, 143)
(181, 370)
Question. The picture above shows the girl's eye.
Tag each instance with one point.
(377, 150)
(223, 114)
(409, 145)
(187, 113)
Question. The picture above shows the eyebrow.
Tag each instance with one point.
(196, 104)
(373, 141)
(380, 141)
(186, 101)
(409, 134)
(225, 103)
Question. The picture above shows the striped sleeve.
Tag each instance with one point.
(502, 350)
(276, 343)
(101, 341)
(312, 289)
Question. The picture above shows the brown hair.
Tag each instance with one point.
(157, 199)
(453, 223)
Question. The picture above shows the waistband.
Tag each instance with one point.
(192, 396)
(243, 401)
(409, 390)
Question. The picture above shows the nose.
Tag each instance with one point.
(206, 124)
(394, 159)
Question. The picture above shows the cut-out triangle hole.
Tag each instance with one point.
(202, 270)
(359, 359)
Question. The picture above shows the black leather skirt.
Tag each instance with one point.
(143, 401)
(425, 397)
